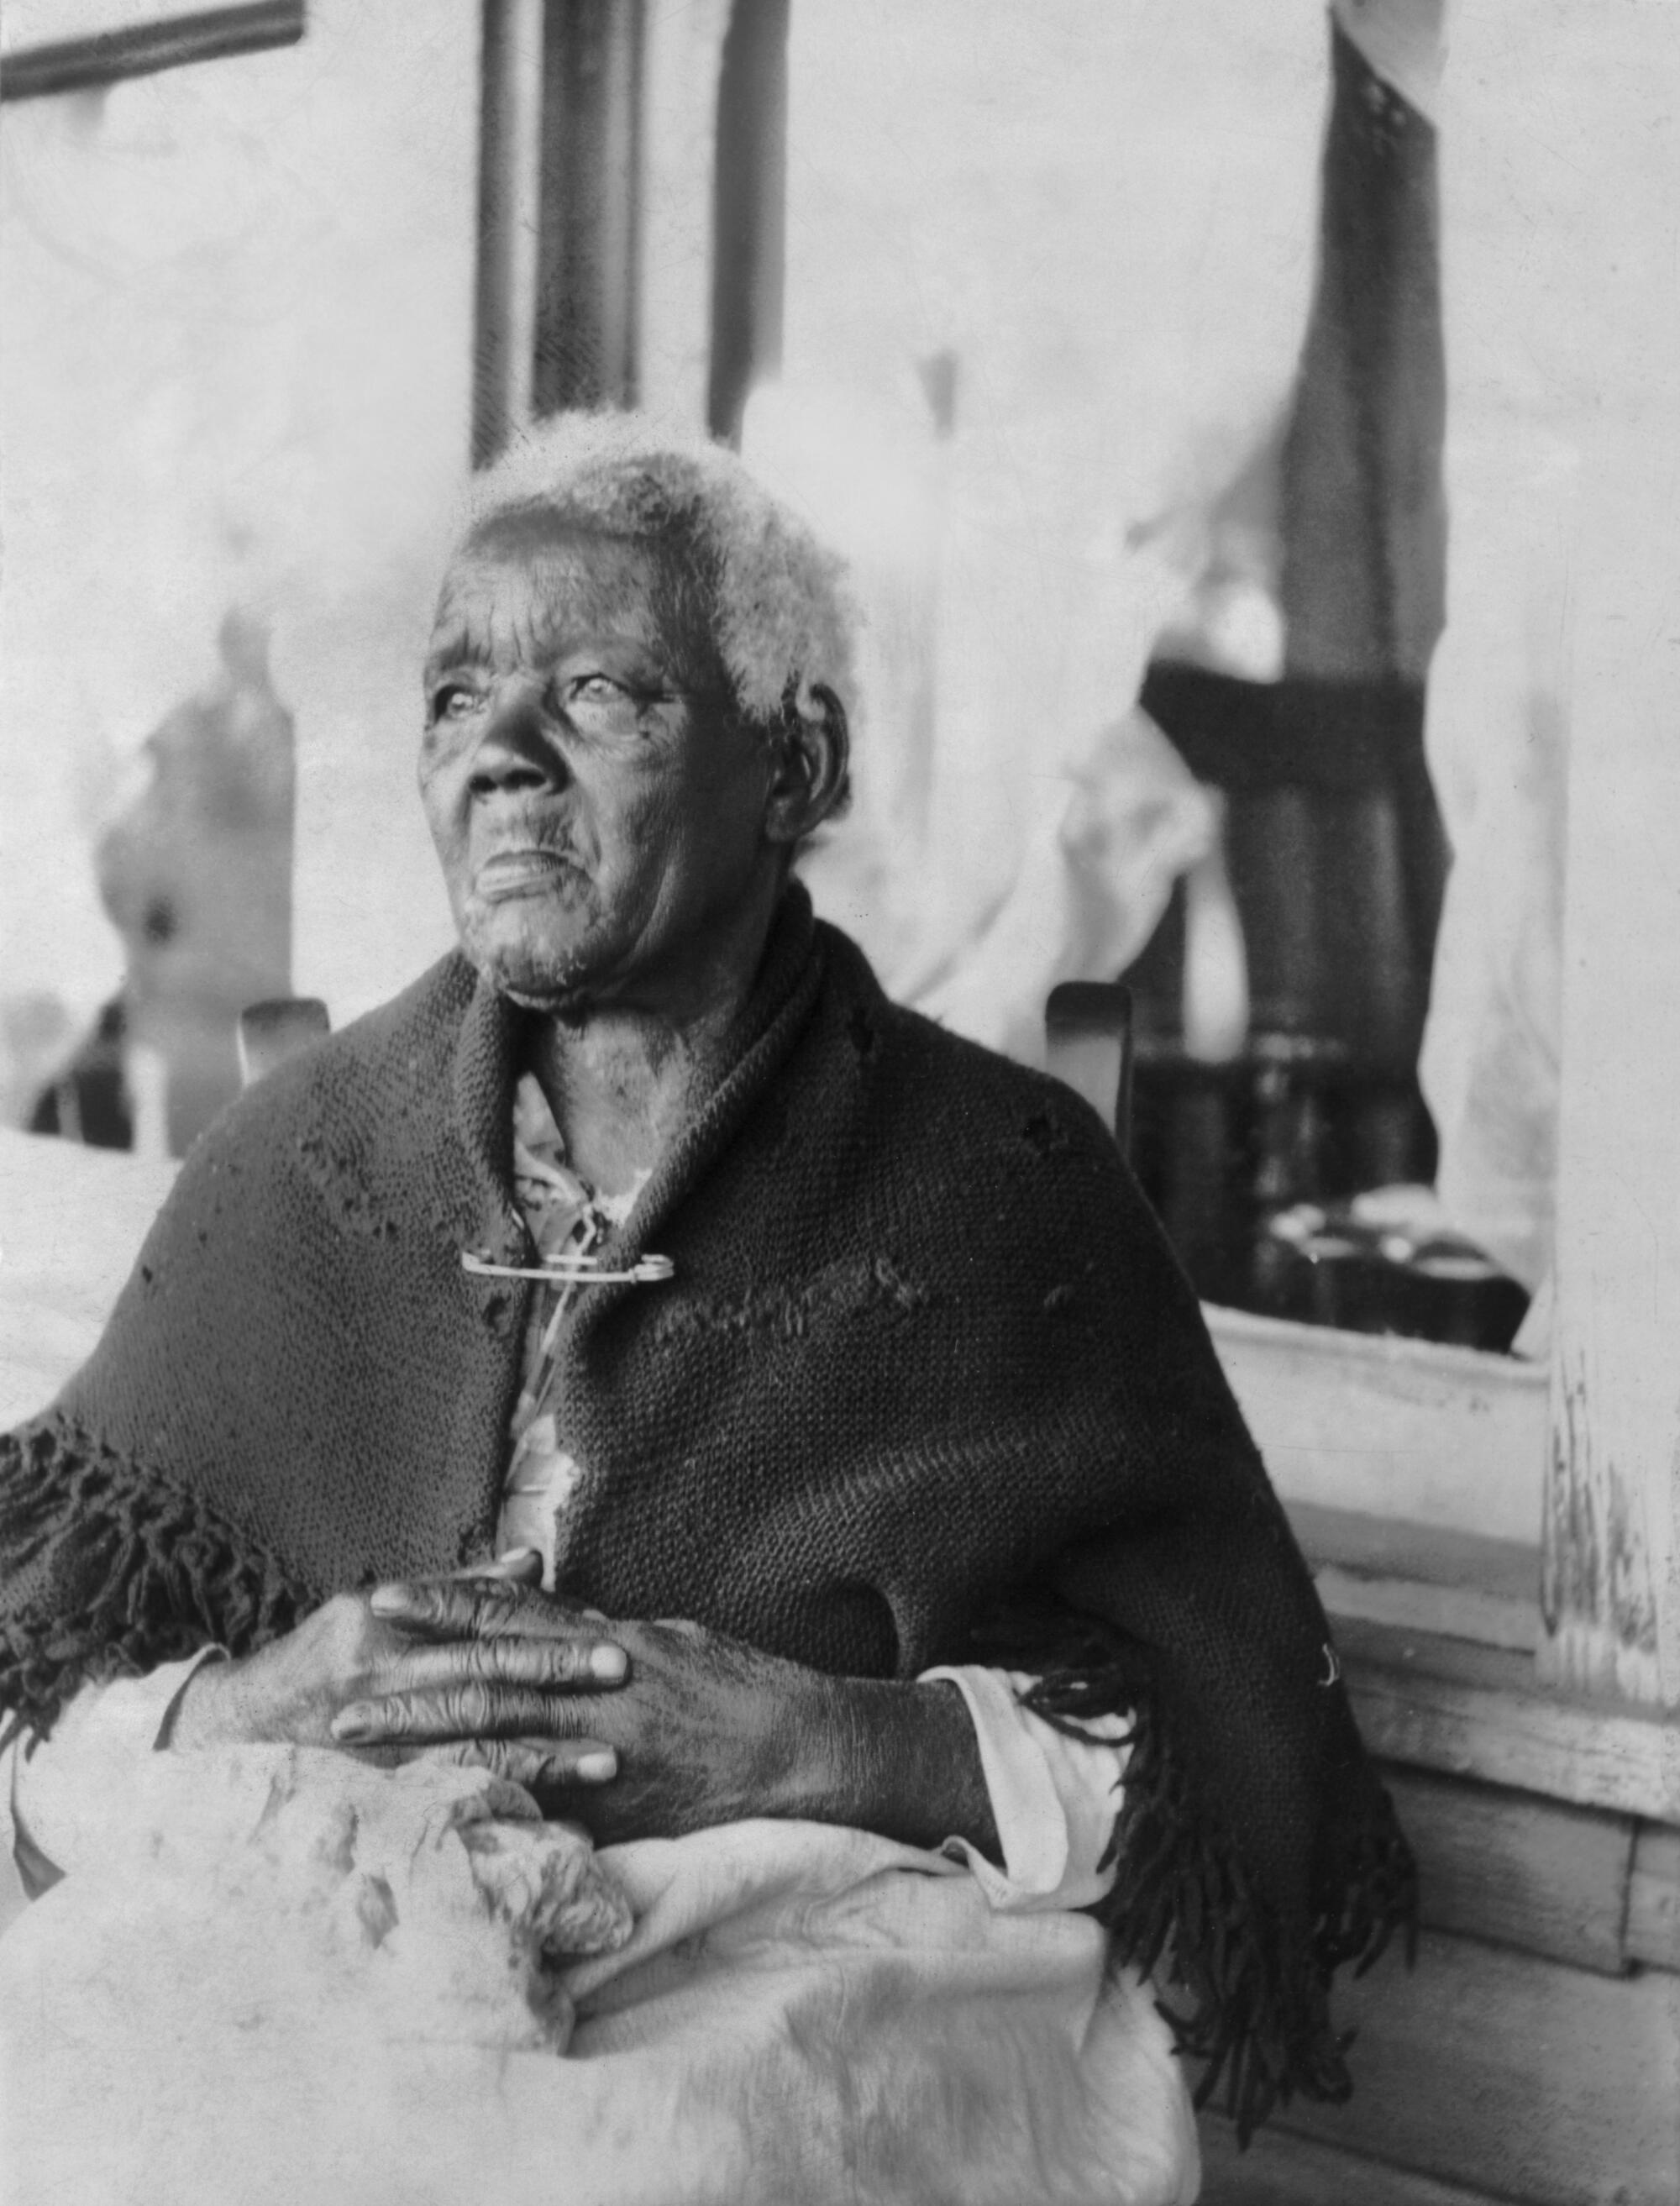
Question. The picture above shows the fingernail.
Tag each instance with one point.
(354, 1723)
(389, 1599)
(597, 1767)
(610, 1664)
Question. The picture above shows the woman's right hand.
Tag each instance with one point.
(290, 1692)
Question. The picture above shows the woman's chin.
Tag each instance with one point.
(537, 967)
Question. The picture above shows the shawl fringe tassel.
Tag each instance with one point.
(1247, 1993)
(119, 1569)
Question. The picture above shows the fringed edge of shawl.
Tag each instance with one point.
(1246, 1996)
(157, 1573)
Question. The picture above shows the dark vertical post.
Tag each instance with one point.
(587, 248)
(748, 209)
(497, 237)
(1364, 518)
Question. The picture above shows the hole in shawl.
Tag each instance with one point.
(339, 1180)
(861, 1029)
(859, 1287)
(1044, 1134)
(903, 1294)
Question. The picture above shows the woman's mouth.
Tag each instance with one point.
(524, 871)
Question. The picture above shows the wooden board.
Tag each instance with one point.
(1444, 1436)
(1653, 1899)
(1440, 1704)
(1502, 2073)
(1613, 1530)
(1280, 2169)
(1536, 1874)
(1388, 1570)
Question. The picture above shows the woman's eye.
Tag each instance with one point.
(453, 701)
(595, 689)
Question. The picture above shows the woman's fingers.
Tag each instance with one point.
(479, 1609)
(540, 1765)
(586, 1664)
(469, 1708)
(537, 1763)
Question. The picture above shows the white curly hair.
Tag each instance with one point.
(781, 616)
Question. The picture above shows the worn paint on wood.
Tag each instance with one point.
(1597, 1599)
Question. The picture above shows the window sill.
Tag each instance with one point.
(1448, 1438)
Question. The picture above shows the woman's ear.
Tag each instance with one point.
(809, 780)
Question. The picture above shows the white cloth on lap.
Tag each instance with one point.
(801, 2013)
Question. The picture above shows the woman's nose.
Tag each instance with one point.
(514, 756)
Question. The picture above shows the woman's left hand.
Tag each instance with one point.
(703, 1730)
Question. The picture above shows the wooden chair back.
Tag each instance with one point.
(1088, 1044)
(270, 1032)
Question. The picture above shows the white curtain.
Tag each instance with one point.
(1102, 219)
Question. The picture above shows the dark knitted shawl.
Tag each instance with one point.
(925, 1349)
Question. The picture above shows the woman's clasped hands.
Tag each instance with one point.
(632, 1729)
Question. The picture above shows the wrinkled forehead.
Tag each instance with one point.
(534, 580)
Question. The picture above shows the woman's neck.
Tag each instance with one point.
(624, 1075)
(622, 1085)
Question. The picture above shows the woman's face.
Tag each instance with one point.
(596, 801)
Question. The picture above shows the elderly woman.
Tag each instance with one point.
(642, 1359)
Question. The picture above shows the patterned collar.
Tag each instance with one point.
(561, 1210)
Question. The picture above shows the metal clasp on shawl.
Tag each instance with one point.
(578, 1271)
